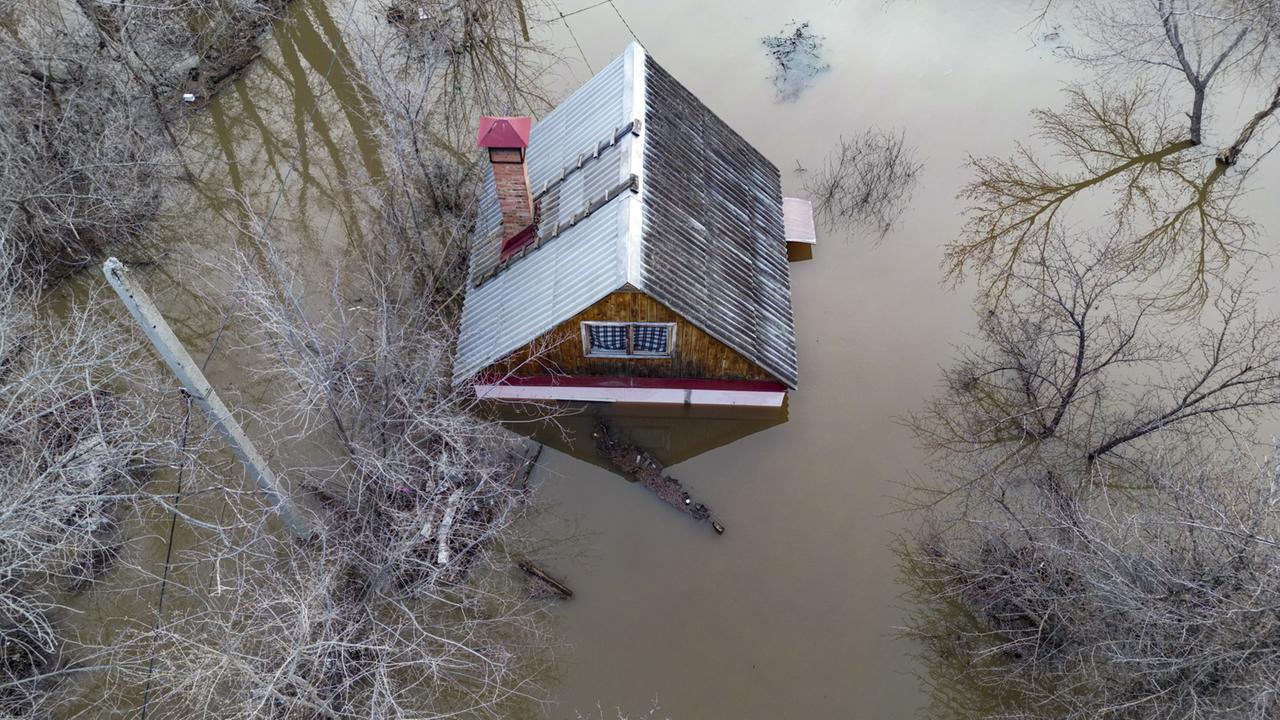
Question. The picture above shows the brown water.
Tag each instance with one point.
(792, 612)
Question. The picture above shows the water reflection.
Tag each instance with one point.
(673, 434)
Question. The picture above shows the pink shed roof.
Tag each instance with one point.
(503, 132)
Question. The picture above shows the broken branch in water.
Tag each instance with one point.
(542, 585)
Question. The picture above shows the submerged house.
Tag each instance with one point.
(631, 247)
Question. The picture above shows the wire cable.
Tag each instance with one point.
(563, 18)
(625, 24)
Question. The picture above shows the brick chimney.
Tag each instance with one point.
(506, 139)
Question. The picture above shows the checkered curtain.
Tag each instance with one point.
(649, 338)
(608, 338)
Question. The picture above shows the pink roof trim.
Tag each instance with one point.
(503, 132)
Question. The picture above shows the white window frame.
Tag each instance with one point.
(629, 353)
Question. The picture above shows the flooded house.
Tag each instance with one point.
(631, 248)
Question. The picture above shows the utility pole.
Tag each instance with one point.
(193, 381)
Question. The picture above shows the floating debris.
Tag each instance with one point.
(797, 59)
(642, 467)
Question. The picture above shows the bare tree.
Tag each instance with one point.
(175, 47)
(81, 154)
(88, 121)
(478, 57)
(1095, 543)
(1084, 357)
(407, 604)
(1140, 134)
(1150, 603)
(289, 631)
(866, 182)
(75, 453)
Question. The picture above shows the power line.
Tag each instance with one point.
(575, 37)
(582, 10)
(625, 24)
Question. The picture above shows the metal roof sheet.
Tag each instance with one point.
(505, 311)
(713, 246)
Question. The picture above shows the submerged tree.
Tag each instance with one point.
(476, 56)
(1140, 134)
(89, 125)
(405, 604)
(1152, 604)
(1083, 362)
(866, 182)
(1096, 540)
(82, 155)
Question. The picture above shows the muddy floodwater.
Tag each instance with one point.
(791, 613)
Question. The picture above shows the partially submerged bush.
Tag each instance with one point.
(1149, 604)
(1097, 541)
(476, 56)
(405, 604)
(866, 182)
(796, 53)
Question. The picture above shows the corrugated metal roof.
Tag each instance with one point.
(505, 311)
(713, 246)
(704, 235)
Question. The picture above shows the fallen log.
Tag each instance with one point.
(541, 585)
(520, 476)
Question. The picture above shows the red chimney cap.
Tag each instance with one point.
(503, 132)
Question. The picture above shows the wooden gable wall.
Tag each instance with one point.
(696, 354)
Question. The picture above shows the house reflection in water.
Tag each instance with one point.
(672, 433)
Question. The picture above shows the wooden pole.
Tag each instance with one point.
(194, 383)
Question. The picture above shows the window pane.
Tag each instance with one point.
(649, 338)
(608, 338)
